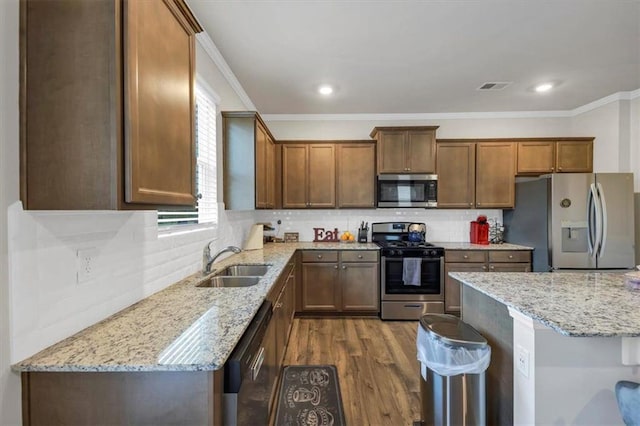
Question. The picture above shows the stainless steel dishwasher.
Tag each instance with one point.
(250, 373)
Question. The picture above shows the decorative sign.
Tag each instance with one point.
(320, 235)
(290, 237)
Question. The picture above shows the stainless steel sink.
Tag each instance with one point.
(229, 281)
(244, 270)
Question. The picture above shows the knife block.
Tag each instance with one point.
(362, 235)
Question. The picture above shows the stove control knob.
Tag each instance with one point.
(426, 252)
(432, 253)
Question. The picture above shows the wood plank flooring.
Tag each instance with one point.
(378, 371)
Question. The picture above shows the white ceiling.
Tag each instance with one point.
(412, 56)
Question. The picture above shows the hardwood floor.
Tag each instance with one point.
(378, 371)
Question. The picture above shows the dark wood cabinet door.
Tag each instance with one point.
(391, 152)
(356, 175)
(495, 174)
(456, 168)
(421, 151)
(159, 65)
(262, 181)
(360, 287)
(536, 157)
(294, 176)
(270, 154)
(574, 156)
(452, 301)
(321, 176)
(320, 287)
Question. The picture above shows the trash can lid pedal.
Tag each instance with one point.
(452, 331)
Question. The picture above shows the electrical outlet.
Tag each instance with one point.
(522, 361)
(85, 259)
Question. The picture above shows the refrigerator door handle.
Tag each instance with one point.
(591, 207)
(603, 227)
(597, 229)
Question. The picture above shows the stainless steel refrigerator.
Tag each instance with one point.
(575, 221)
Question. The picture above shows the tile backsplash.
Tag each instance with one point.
(442, 225)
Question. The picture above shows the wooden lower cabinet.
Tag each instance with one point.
(479, 261)
(153, 398)
(344, 281)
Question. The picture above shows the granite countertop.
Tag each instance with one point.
(180, 328)
(469, 246)
(573, 304)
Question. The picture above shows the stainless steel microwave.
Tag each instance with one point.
(407, 190)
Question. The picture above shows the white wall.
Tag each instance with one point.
(9, 382)
(360, 127)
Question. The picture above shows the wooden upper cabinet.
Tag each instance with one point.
(456, 168)
(356, 175)
(321, 192)
(250, 163)
(536, 157)
(476, 174)
(294, 176)
(118, 131)
(406, 149)
(265, 180)
(495, 174)
(569, 155)
(575, 156)
(308, 176)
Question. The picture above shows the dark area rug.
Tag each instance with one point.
(310, 395)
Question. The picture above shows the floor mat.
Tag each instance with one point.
(310, 395)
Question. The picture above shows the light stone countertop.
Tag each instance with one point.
(573, 304)
(469, 246)
(180, 328)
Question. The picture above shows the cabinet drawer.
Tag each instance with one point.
(320, 256)
(510, 256)
(465, 256)
(359, 255)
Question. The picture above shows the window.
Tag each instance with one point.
(206, 210)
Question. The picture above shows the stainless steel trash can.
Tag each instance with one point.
(454, 358)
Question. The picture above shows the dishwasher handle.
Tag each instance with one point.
(257, 364)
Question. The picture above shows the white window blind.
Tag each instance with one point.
(206, 210)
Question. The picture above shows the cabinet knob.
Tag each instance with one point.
(319, 256)
(278, 305)
(359, 256)
(510, 256)
(465, 256)
(484, 268)
(471, 204)
(553, 168)
(560, 169)
(492, 267)
(344, 267)
(335, 267)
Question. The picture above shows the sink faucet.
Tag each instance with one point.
(207, 260)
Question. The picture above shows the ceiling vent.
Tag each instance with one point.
(494, 85)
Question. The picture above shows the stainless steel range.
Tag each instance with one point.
(411, 272)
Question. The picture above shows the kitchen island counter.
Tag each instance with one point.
(180, 328)
(559, 343)
(573, 304)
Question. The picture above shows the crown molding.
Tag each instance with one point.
(209, 46)
(620, 96)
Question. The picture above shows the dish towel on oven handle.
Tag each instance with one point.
(411, 270)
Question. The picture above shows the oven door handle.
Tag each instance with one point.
(257, 364)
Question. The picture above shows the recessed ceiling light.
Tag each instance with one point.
(545, 87)
(325, 90)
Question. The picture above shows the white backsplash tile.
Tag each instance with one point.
(442, 225)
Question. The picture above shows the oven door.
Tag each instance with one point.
(431, 282)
